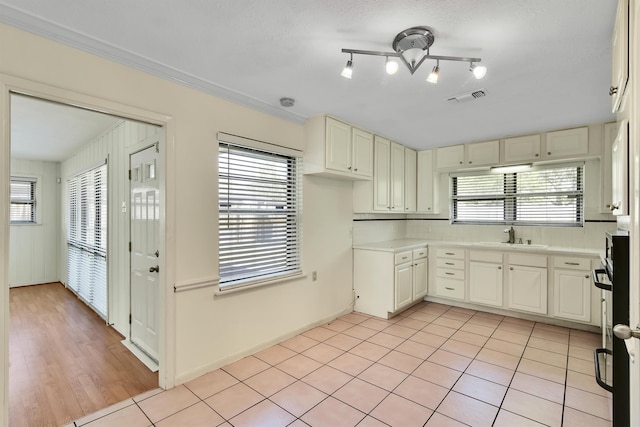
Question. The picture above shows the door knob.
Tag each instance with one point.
(155, 269)
(624, 332)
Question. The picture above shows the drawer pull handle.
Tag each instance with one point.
(404, 257)
(449, 274)
(449, 253)
(449, 289)
(449, 263)
(421, 253)
(572, 263)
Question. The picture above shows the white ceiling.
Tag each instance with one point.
(51, 132)
(549, 61)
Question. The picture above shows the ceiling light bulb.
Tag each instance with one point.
(433, 77)
(348, 70)
(479, 71)
(391, 66)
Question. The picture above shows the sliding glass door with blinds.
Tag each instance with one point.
(259, 215)
(543, 195)
(87, 237)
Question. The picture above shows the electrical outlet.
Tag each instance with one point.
(314, 276)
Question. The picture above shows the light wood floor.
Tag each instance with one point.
(64, 362)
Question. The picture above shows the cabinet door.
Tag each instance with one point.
(450, 157)
(483, 153)
(567, 143)
(419, 279)
(362, 153)
(403, 285)
(528, 289)
(522, 148)
(397, 177)
(485, 283)
(410, 177)
(381, 174)
(572, 295)
(620, 55)
(610, 133)
(338, 146)
(620, 171)
(425, 197)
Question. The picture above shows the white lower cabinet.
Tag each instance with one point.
(572, 288)
(386, 282)
(450, 273)
(485, 278)
(527, 288)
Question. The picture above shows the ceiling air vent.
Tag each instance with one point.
(469, 96)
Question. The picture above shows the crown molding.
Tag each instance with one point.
(39, 26)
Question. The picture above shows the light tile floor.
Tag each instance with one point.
(433, 365)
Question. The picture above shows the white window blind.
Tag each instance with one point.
(259, 215)
(23, 200)
(87, 237)
(539, 196)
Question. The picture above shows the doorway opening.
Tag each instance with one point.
(55, 148)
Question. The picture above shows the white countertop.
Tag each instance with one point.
(408, 244)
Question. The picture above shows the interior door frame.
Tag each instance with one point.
(11, 84)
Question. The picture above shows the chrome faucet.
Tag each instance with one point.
(512, 235)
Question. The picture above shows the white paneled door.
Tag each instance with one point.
(145, 246)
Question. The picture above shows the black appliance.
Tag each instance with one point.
(612, 361)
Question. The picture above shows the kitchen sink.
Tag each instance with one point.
(512, 245)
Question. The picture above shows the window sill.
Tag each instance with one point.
(257, 284)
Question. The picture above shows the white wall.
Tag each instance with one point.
(115, 144)
(208, 331)
(33, 247)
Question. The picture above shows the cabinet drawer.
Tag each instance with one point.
(485, 256)
(451, 274)
(450, 288)
(457, 264)
(455, 253)
(419, 253)
(403, 257)
(528, 260)
(573, 263)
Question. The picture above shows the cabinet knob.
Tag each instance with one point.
(510, 268)
(537, 155)
(586, 276)
(470, 162)
(349, 168)
(355, 169)
(548, 153)
(461, 162)
(613, 90)
(499, 268)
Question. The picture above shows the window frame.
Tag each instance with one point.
(292, 212)
(33, 202)
(510, 197)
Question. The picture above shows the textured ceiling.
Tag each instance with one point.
(548, 61)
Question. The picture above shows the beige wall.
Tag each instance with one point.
(208, 331)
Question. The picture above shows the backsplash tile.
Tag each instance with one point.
(374, 229)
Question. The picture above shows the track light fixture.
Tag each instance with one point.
(411, 46)
(433, 77)
(348, 69)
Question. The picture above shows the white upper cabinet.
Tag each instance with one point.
(382, 174)
(620, 56)
(338, 146)
(567, 143)
(410, 176)
(522, 148)
(397, 177)
(610, 133)
(451, 157)
(362, 153)
(619, 171)
(483, 153)
(427, 184)
(336, 149)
